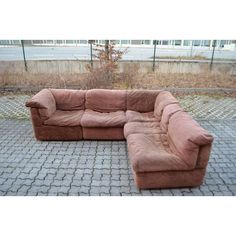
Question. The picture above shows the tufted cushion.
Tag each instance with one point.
(163, 99)
(142, 128)
(65, 118)
(168, 111)
(103, 100)
(185, 136)
(101, 119)
(141, 100)
(151, 152)
(135, 116)
(68, 100)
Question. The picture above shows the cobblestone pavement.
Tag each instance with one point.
(202, 107)
(30, 167)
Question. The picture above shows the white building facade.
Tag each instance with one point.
(180, 44)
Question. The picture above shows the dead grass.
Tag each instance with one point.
(127, 80)
(158, 80)
(196, 57)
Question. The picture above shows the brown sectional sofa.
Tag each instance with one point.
(167, 148)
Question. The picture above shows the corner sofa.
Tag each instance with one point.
(167, 147)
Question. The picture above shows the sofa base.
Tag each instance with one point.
(115, 133)
(58, 133)
(169, 179)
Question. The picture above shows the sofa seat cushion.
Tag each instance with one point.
(151, 152)
(103, 119)
(142, 128)
(135, 116)
(65, 118)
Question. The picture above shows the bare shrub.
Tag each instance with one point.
(130, 77)
(106, 72)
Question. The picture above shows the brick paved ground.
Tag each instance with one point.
(30, 167)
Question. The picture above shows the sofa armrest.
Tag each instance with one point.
(44, 101)
(186, 138)
(203, 156)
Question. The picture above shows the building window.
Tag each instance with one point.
(27, 42)
(37, 41)
(165, 42)
(125, 42)
(137, 42)
(146, 42)
(196, 43)
(49, 41)
(69, 41)
(16, 41)
(4, 42)
(177, 42)
(59, 41)
(187, 42)
(158, 42)
(223, 43)
(101, 41)
(206, 43)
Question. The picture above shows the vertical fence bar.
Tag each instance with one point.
(91, 54)
(154, 56)
(213, 52)
(23, 49)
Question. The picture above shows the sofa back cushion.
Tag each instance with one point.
(168, 111)
(103, 100)
(141, 100)
(185, 136)
(68, 99)
(163, 99)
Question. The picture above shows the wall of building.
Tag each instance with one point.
(74, 67)
(207, 44)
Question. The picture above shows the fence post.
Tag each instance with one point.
(91, 51)
(213, 52)
(154, 56)
(23, 49)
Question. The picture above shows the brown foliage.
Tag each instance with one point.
(105, 73)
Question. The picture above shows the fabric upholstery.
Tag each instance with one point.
(163, 99)
(142, 128)
(58, 133)
(68, 99)
(203, 156)
(101, 119)
(133, 116)
(44, 101)
(166, 147)
(65, 118)
(185, 136)
(169, 179)
(109, 133)
(141, 100)
(35, 117)
(151, 152)
(103, 100)
(168, 111)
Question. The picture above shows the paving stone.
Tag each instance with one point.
(100, 168)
